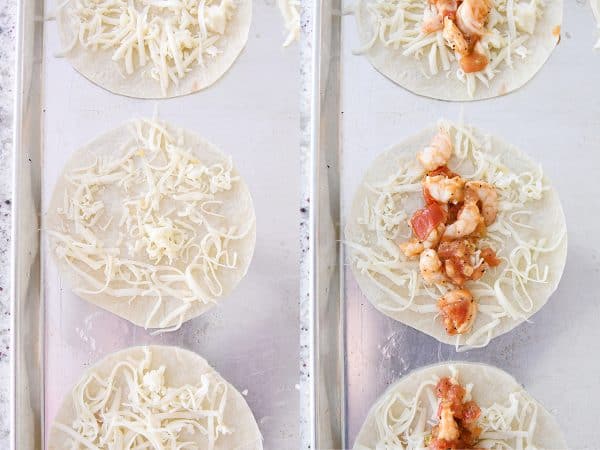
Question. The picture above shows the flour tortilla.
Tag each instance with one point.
(238, 210)
(98, 66)
(548, 220)
(182, 367)
(490, 385)
(409, 72)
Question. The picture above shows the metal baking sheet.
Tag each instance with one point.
(555, 119)
(252, 336)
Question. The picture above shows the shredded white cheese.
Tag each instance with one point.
(290, 10)
(166, 38)
(405, 422)
(595, 4)
(397, 24)
(148, 223)
(503, 293)
(133, 408)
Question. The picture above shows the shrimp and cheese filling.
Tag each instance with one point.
(457, 234)
(458, 406)
(457, 418)
(471, 41)
(457, 213)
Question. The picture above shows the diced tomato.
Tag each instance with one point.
(456, 256)
(474, 62)
(442, 388)
(453, 210)
(489, 256)
(425, 220)
(442, 170)
(449, 391)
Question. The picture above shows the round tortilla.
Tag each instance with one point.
(547, 220)
(98, 66)
(411, 73)
(182, 367)
(237, 209)
(490, 385)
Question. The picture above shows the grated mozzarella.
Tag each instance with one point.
(405, 423)
(173, 240)
(397, 24)
(167, 37)
(503, 296)
(290, 10)
(133, 408)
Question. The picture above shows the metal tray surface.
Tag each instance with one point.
(554, 118)
(252, 337)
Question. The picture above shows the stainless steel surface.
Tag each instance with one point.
(327, 386)
(554, 118)
(251, 338)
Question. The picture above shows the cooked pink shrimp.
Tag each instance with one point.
(448, 428)
(455, 39)
(472, 15)
(431, 267)
(467, 221)
(434, 20)
(443, 189)
(432, 24)
(413, 247)
(485, 194)
(459, 310)
(437, 153)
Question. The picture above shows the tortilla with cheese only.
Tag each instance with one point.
(106, 67)
(180, 256)
(529, 236)
(494, 390)
(397, 61)
(181, 368)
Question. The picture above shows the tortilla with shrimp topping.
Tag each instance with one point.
(454, 406)
(458, 49)
(457, 234)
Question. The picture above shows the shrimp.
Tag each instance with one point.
(434, 21)
(485, 194)
(415, 247)
(448, 428)
(443, 189)
(432, 24)
(472, 15)
(458, 311)
(431, 267)
(455, 39)
(435, 236)
(467, 221)
(437, 153)
(457, 257)
(446, 8)
(412, 247)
